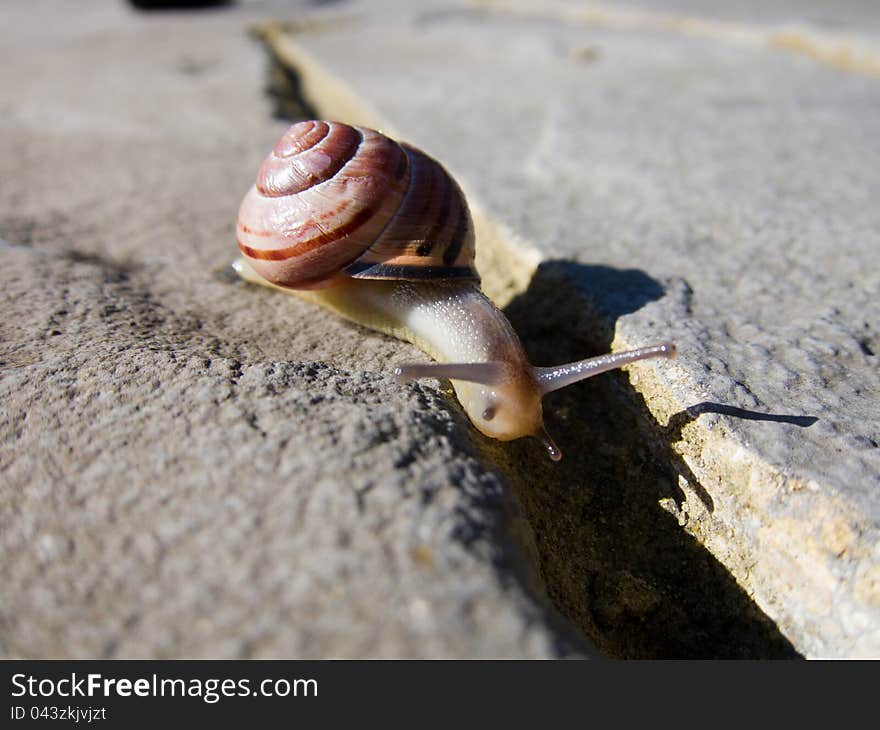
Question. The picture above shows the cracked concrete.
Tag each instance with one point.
(742, 193)
(192, 467)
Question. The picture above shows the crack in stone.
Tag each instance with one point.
(611, 558)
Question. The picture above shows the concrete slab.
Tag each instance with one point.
(190, 466)
(727, 168)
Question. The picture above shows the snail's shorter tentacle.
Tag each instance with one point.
(552, 449)
(485, 373)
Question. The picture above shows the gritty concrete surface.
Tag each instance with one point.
(192, 467)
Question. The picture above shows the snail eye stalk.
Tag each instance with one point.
(560, 376)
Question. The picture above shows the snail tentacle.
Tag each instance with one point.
(487, 373)
(560, 376)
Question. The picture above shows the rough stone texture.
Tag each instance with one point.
(192, 467)
(725, 162)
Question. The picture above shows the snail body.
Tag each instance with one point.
(379, 233)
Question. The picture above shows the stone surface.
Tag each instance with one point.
(724, 159)
(192, 467)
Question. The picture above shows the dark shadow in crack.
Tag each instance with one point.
(611, 558)
(607, 291)
(160, 5)
(284, 86)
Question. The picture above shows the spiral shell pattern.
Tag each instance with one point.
(335, 200)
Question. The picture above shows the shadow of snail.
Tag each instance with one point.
(610, 558)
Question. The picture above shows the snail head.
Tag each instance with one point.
(504, 402)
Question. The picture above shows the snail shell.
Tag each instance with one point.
(335, 200)
(384, 234)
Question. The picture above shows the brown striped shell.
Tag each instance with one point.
(335, 200)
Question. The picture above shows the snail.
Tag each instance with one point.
(378, 232)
